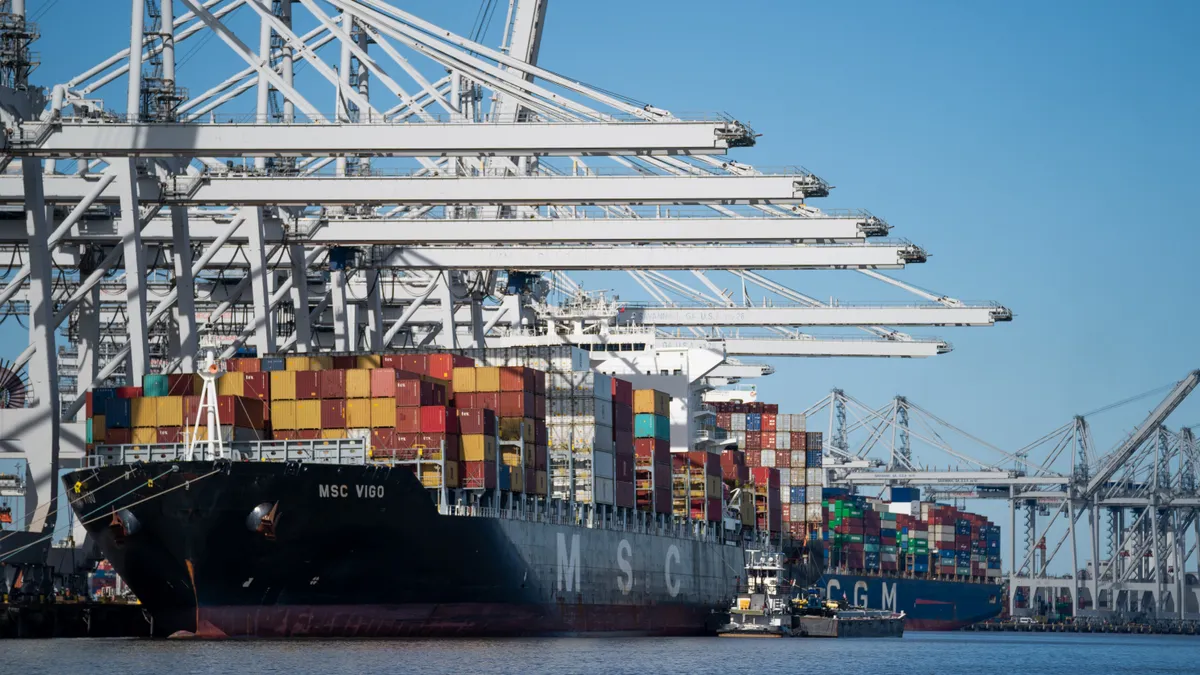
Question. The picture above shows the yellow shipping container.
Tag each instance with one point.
(283, 415)
(383, 413)
(320, 363)
(308, 414)
(333, 433)
(463, 380)
(143, 435)
(368, 361)
(170, 410)
(99, 429)
(298, 363)
(540, 487)
(510, 457)
(197, 385)
(231, 384)
(652, 402)
(144, 412)
(516, 480)
(358, 383)
(478, 448)
(283, 385)
(487, 379)
(358, 413)
(431, 476)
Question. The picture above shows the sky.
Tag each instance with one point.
(1044, 154)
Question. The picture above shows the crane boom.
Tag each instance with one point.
(1139, 436)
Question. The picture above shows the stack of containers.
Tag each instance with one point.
(696, 485)
(517, 395)
(580, 424)
(768, 509)
(652, 446)
(623, 447)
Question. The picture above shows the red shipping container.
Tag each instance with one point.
(414, 363)
(333, 414)
(753, 440)
(765, 476)
(541, 432)
(181, 384)
(256, 385)
(383, 383)
(477, 421)
(516, 403)
(724, 420)
(345, 362)
(383, 438)
(479, 475)
(87, 404)
(464, 400)
(440, 366)
(767, 440)
(308, 384)
(489, 400)
(407, 439)
(623, 494)
(283, 435)
(513, 378)
(768, 422)
(540, 454)
(240, 411)
(171, 435)
(439, 419)
(129, 392)
(783, 459)
(770, 408)
(622, 391)
(623, 469)
(308, 434)
(799, 440)
(530, 478)
(657, 450)
(539, 407)
(417, 393)
(118, 437)
(408, 419)
(332, 384)
(754, 458)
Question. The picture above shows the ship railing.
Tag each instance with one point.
(320, 451)
(620, 520)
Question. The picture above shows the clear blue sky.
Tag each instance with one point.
(1043, 153)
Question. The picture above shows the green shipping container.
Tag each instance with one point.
(854, 538)
(88, 436)
(155, 385)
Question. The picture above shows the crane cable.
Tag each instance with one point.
(87, 520)
(1131, 399)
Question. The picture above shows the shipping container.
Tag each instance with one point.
(308, 384)
(647, 425)
(231, 384)
(169, 411)
(283, 385)
(283, 415)
(332, 384)
(333, 412)
(478, 448)
(649, 401)
(155, 385)
(256, 385)
(358, 413)
(383, 412)
(439, 419)
(308, 414)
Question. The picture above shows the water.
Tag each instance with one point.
(953, 653)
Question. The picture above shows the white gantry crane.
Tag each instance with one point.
(1142, 499)
(365, 179)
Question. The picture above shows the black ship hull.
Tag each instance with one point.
(275, 550)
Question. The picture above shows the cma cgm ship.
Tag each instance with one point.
(282, 549)
(928, 604)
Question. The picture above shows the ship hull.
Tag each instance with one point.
(362, 551)
(928, 604)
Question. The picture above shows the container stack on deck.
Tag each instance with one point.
(874, 535)
(502, 416)
(780, 441)
(652, 449)
(580, 421)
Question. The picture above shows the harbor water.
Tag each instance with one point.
(952, 653)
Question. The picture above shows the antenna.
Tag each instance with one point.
(212, 367)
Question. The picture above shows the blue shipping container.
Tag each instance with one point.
(834, 493)
(118, 413)
(273, 364)
(503, 479)
(648, 425)
(753, 421)
(797, 494)
(906, 494)
(154, 385)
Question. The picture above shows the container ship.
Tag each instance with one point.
(398, 495)
(937, 564)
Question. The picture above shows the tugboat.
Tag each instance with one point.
(769, 608)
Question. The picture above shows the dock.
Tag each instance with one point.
(1148, 627)
(74, 620)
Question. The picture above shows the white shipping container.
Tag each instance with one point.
(768, 458)
(737, 421)
(783, 440)
(785, 478)
(799, 422)
(586, 406)
(813, 496)
(603, 464)
(740, 437)
(783, 422)
(799, 459)
(813, 513)
(813, 477)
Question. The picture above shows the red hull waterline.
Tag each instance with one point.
(449, 620)
(933, 625)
